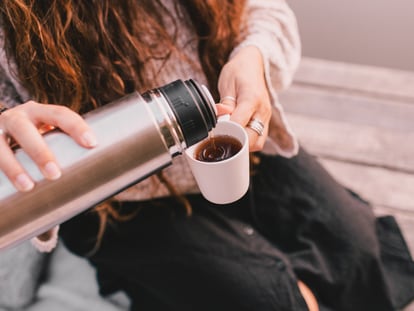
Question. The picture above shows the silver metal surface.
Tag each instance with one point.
(135, 139)
(165, 118)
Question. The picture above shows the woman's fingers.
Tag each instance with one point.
(243, 78)
(224, 109)
(64, 119)
(12, 168)
(29, 138)
(24, 124)
(253, 111)
(257, 130)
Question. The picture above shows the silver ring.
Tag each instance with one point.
(6, 136)
(228, 98)
(256, 125)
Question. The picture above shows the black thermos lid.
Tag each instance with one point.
(192, 107)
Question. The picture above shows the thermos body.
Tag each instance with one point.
(137, 136)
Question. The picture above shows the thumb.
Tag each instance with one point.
(224, 109)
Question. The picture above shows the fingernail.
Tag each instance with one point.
(89, 139)
(51, 171)
(24, 183)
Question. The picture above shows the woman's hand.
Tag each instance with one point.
(243, 79)
(24, 124)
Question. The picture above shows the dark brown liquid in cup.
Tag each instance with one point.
(217, 148)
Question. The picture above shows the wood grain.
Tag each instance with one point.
(355, 143)
(365, 80)
(349, 107)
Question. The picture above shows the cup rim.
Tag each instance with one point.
(244, 146)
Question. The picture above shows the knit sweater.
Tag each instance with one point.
(271, 27)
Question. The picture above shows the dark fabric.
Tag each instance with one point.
(295, 223)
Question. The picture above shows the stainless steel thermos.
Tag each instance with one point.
(137, 136)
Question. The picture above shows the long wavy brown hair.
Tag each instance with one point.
(84, 54)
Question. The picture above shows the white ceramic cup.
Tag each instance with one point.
(225, 181)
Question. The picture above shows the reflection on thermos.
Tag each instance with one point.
(137, 136)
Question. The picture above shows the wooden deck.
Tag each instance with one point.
(359, 121)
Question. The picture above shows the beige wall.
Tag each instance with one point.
(372, 32)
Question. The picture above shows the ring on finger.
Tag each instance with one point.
(256, 125)
(4, 134)
(228, 97)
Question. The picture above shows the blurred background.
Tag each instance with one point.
(371, 32)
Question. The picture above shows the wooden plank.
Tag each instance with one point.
(381, 187)
(375, 81)
(342, 106)
(366, 145)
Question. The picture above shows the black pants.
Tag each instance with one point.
(295, 223)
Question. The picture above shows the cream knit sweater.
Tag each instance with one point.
(271, 28)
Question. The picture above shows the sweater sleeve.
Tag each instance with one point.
(271, 27)
(48, 244)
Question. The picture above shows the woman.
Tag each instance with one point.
(296, 241)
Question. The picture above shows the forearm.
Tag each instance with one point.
(271, 28)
